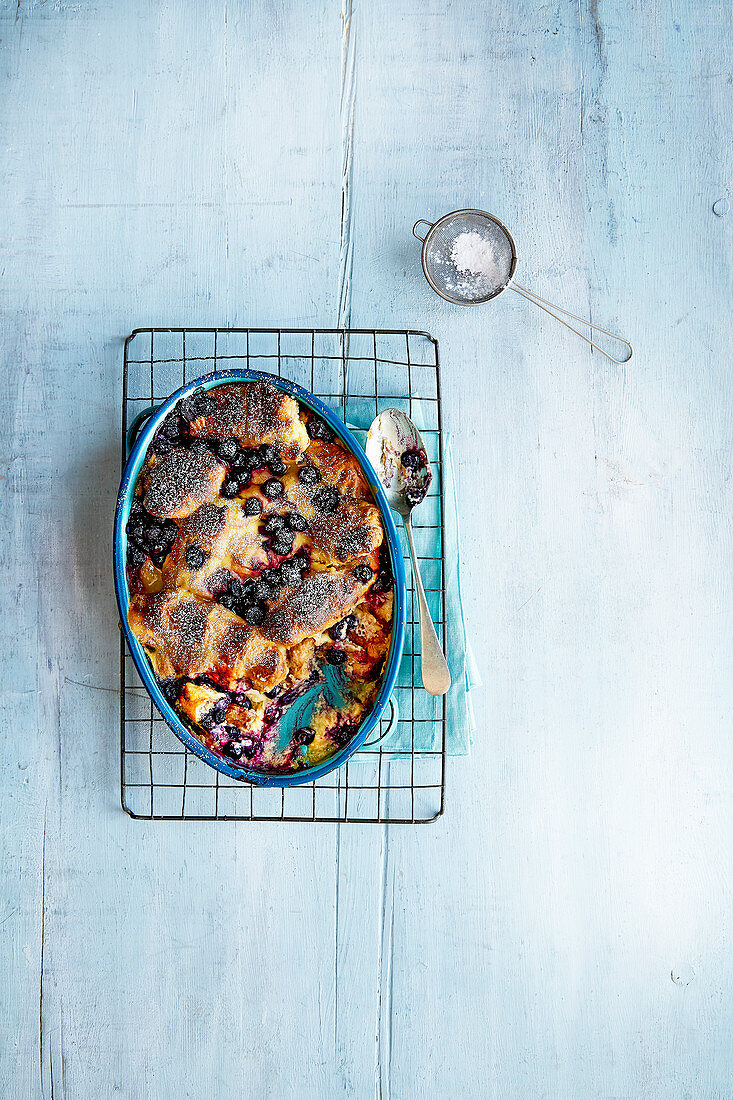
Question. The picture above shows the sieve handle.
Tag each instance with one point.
(421, 221)
(553, 310)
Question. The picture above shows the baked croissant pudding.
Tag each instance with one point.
(260, 581)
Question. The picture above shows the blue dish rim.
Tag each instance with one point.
(124, 501)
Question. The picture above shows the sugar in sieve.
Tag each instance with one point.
(469, 257)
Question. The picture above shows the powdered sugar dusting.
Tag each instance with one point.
(353, 529)
(253, 413)
(204, 525)
(228, 417)
(181, 482)
(320, 601)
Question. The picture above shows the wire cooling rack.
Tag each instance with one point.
(358, 373)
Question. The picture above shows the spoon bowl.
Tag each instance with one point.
(396, 450)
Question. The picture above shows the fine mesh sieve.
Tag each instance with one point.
(490, 275)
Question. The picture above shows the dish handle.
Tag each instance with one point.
(393, 720)
(134, 430)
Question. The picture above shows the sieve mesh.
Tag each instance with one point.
(464, 286)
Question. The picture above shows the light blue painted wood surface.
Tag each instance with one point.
(564, 931)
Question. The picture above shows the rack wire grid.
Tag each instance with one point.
(358, 373)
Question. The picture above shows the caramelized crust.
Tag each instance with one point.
(254, 413)
(226, 537)
(339, 468)
(187, 636)
(320, 601)
(300, 658)
(353, 531)
(367, 644)
(174, 629)
(181, 482)
(243, 653)
(383, 609)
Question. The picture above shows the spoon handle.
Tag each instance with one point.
(435, 674)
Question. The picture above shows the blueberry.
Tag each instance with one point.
(213, 718)
(275, 579)
(319, 429)
(228, 601)
(227, 449)
(261, 590)
(158, 554)
(412, 460)
(249, 459)
(273, 692)
(248, 747)
(195, 557)
(336, 657)
(384, 581)
(267, 453)
(254, 614)
(291, 572)
(171, 427)
(236, 588)
(304, 736)
(203, 403)
(273, 488)
(153, 532)
(308, 475)
(242, 701)
(218, 582)
(136, 529)
(233, 749)
(242, 478)
(274, 524)
(301, 561)
(281, 543)
(326, 500)
(340, 630)
(186, 410)
(414, 496)
(363, 572)
(198, 447)
(230, 488)
(297, 522)
(277, 466)
(161, 445)
(136, 556)
(252, 506)
(169, 689)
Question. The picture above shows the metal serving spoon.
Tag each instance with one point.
(395, 449)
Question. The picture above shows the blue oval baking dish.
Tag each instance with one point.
(130, 474)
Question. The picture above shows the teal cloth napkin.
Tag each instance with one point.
(413, 702)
